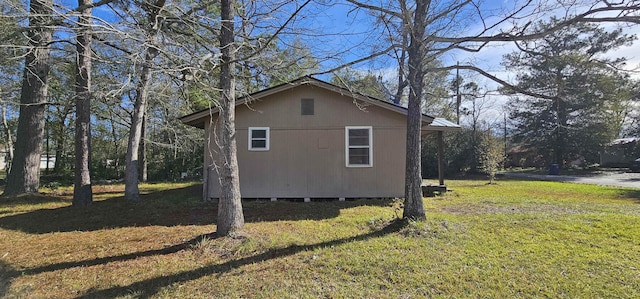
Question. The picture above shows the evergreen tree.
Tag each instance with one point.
(24, 176)
(582, 93)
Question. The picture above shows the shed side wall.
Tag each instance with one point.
(307, 152)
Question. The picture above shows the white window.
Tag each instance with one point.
(258, 138)
(358, 146)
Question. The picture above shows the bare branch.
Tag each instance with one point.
(376, 8)
(276, 33)
(521, 36)
(495, 79)
(92, 5)
(369, 57)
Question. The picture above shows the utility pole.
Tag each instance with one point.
(47, 127)
(458, 96)
(505, 133)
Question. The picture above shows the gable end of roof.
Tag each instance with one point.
(198, 118)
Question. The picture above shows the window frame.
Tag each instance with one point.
(348, 146)
(267, 139)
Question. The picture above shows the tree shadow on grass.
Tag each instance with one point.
(632, 193)
(175, 207)
(119, 258)
(149, 287)
(6, 275)
(31, 199)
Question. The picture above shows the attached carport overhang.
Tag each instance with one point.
(439, 126)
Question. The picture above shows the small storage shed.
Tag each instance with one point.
(312, 139)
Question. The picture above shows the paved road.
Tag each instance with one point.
(618, 179)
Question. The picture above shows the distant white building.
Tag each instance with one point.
(3, 161)
(43, 162)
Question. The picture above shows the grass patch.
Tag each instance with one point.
(512, 239)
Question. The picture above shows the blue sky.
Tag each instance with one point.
(348, 28)
(340, 33)
(341, 19)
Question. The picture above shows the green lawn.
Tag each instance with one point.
(513, 239)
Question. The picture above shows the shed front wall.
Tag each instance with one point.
(306, 157)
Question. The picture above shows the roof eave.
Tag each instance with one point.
(442, 125)
(441, 129)
(198, 118)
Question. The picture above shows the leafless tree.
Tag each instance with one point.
(230, 217)
(82, 193)
(142, 96)
(429, 29)
(10, 71)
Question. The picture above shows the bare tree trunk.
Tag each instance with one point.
(9, 144)
(230, 216)
(82, 194)
(131, 191)
(561, 119)
(47, 131)
(561, 136)
(116, 146)
(402, 83)
(143, 151)
(24, 176)
(58, 163)
(413, 205)
(60, 141)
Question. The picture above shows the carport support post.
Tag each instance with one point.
(440, 159)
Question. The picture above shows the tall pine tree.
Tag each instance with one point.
(577, 111)
(24, 176)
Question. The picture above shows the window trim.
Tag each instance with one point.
(266, 139)
(347, 146)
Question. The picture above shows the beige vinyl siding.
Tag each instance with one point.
(306, 156)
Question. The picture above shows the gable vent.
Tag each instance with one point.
(307, 107)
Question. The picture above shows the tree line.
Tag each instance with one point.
(117, 73)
